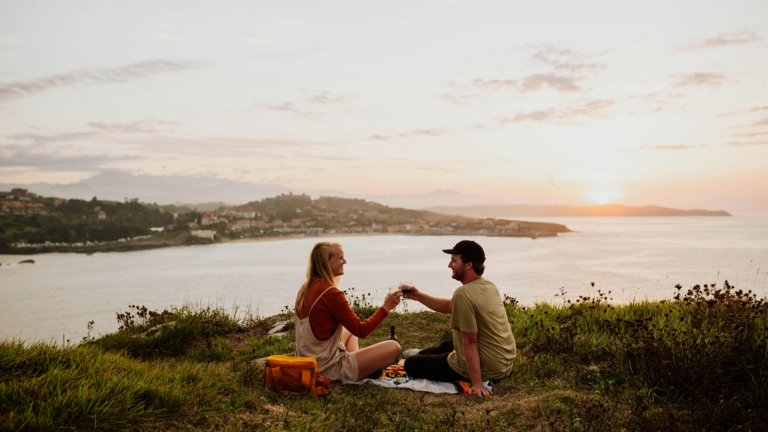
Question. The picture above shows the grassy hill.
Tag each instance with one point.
(695, 362)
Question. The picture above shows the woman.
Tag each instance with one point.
(328, 329)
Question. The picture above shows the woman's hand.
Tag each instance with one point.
(392, 300)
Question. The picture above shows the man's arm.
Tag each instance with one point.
(472, 357)
(437, 304)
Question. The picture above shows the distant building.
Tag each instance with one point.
(315, 231)
(20, 193)
(17, 207)
(207, 234)
(191, 225)
(207, 219)
(248, 214)
(487, 223)
(102, 215)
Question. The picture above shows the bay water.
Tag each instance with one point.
(633, 258)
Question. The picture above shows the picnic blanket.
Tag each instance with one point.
(395, 377)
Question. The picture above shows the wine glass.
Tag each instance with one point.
(408, 290)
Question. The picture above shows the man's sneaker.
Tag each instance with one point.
(410, 352)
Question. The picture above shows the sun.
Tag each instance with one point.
(602, 199)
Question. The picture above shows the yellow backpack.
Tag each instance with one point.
(295, 375)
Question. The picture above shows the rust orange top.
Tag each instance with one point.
(332, 309)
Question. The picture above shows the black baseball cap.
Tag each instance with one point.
(468, 248)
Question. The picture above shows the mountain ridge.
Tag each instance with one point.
(605, 210)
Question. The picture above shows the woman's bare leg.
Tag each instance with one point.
(376, 357)
(349, 340)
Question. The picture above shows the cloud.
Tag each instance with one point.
(293, 108)
(19, 89)
(701, 79)
(668, 147)
(127, 135)
(141, 126)
(415, 132)
(568, 60)
(749, 135)
(22, 156)
(534, 116)
(744, 111)
(539, 81)
(330, 158)
(530, 83)
(253, 39)
(723, 39)
(324, 99)
(495, 84)
(763, 122)
(457, 100)
(743, 144)
(590, 109)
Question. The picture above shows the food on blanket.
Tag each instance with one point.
(396, 375)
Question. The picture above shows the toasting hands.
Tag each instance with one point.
(409, 292)
(392, 300)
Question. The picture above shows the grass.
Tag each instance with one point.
(698, 361)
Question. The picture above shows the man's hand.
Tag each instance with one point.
(435, 303)
(480, 390)
(412, 294)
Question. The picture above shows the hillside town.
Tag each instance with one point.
(31, 222)
(289, 214)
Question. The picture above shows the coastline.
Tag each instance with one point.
(183, 241)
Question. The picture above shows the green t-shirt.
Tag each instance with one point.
(477, 308)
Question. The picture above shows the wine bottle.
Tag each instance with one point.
(392, 333)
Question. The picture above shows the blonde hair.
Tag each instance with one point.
(319, 267)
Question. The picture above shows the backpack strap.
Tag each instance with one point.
(318, 391)
(317, 299)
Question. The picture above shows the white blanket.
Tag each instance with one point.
(421, 385)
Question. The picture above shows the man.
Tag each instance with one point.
(483, 347)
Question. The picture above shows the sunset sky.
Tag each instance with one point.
(551, 102)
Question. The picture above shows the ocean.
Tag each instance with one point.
(633, 258)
